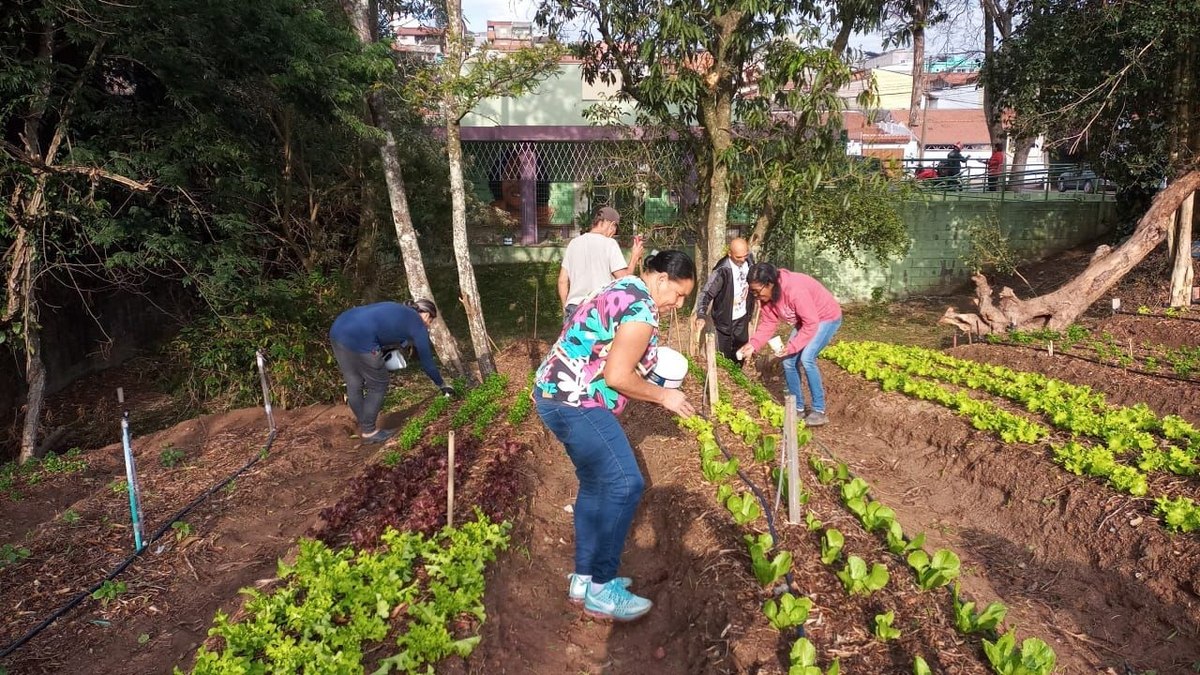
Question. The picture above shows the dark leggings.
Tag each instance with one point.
(366, 384)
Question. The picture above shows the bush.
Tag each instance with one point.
(289, 320)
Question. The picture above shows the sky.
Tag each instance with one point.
(962, 33)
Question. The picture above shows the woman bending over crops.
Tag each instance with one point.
(597, 364)
(815, 316)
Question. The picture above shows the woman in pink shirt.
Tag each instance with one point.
(815, 316)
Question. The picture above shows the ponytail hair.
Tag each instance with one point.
(424, 306)
(765, 273)
(677, 265)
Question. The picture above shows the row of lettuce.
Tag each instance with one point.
(769, 564)
(1131, 449)
(333, 606)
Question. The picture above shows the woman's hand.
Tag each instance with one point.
(745, 352)
(675, 401)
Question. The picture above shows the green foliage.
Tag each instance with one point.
(1132, 128)
(482, 405)
(787, 612)
(289, 321)
(861, 580)
(881, 627)
(896, 543)
(70, 517)
(988, 250)
(1034, 658)
(831, 545)
(109, 591)
(920, 667)
(767, 570)
(36, 470)
(743, 507)
(10, 554)
(118, 487)
(811, 521)
(521, 407)
(1178, 515)
(410, 434)
(171, 456)
(967, 621)
(803, 660)
(934, 572)
(182, 530)
(336, 603)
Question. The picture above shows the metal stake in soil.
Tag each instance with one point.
(135, 494)
(266, 389)
(710, 359)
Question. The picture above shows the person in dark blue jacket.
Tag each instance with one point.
(360, 337)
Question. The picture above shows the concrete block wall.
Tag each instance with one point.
(939, 238)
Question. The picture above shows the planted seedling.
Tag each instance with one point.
(70, 517)
(10, 554)
(391, 458)
(1034, 658)
(767, 571)
(920, 667)
(831, 545)
(171, 456)
(967, 621)
(825, 473)
(182, 530)
(934, 572)
(743, 507)
(859, 580)
(882, 627)
(803, 658)
(765, 451)
(811, 520)
(724, 492)
(876, 516)
(787, 612)
(717, 471)
(119, 487)
(896, 543)
(109, 590)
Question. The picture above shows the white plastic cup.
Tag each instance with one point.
(776, 343)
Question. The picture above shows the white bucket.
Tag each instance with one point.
(394, 360)
(670, 370)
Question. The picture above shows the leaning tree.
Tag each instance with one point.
(1134, 110)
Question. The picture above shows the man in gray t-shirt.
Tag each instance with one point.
(592, 260)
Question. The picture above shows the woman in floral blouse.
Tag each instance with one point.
(599, 362)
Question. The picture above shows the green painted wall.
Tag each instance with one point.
(558, 101)
(1035, 229)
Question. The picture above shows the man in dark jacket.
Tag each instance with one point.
(724, 300)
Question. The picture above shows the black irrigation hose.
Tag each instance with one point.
(129, 561)
(1165, 376)
(766, 508)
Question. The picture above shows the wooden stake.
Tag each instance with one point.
(450, 481)
(1051, 350)
(790, 447)
(955, 338)
(1131, 348)
(710, 356)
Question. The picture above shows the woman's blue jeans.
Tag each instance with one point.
(610, 483)
(807, 359)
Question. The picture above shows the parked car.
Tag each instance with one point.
(1083, 179)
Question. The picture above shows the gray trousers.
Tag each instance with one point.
(366, 384)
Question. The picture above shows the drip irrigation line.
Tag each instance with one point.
(1164, 376)
(82, 595)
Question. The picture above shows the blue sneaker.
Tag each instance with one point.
(579, 586)
(615, 603)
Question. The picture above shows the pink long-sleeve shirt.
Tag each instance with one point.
(804, 303)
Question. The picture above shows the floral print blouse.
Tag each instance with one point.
(573, 371)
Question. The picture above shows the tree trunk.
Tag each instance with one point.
(920, 15)
(1061, 308)
(364, 18)
(717, 126)
(35, 369)
(990, 110)
(1020, 160)
(1182, 273)
(458, 197)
